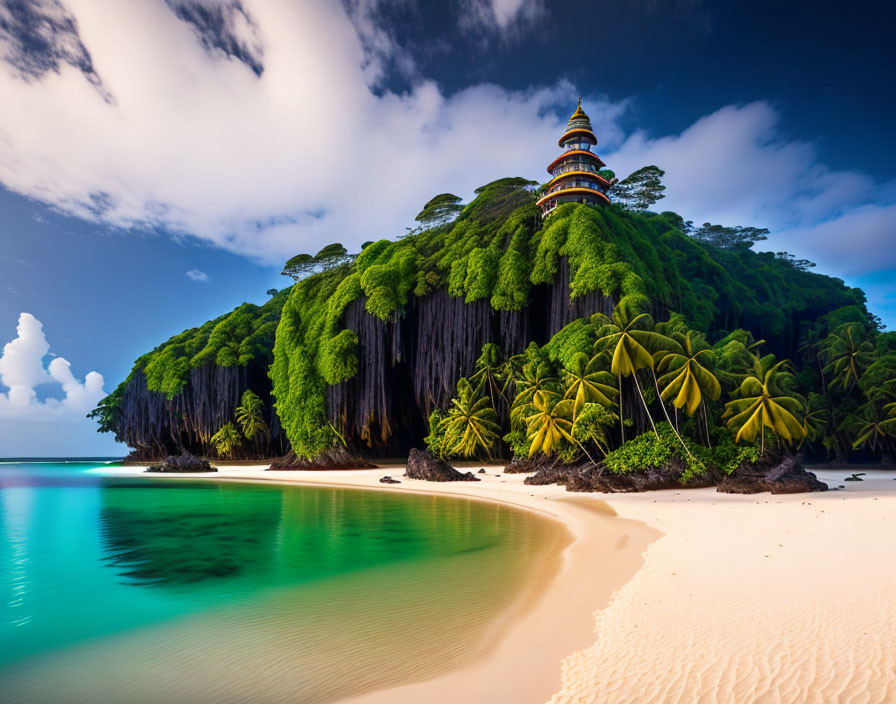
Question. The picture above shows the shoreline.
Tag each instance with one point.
(680, 595)
(547, 625)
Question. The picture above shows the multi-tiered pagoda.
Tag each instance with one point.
(575, 173)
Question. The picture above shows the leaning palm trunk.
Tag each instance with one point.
(644, 402)
(706, 423)
(666, 412)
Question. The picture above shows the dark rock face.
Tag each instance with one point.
(590, 477)
(526, 465)
(425, 465)
(181, 464)
(339, 457)
(550, 473)
(389, 480)
(777, 473)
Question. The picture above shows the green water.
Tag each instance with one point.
(109, 583)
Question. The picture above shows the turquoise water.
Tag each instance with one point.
(113, 575)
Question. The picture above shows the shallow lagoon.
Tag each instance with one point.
(149, 589)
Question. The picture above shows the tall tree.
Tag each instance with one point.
(849, 353)
(549, 423)
(688, 378)
(470, 425)
(640, 189)
(330, 257)
(630, 339)
(729, 237)
(439, 211)
(250, 416)
(226, 440)
(763, 402)
(588, 382)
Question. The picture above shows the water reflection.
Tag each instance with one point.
(206, 532)
(153, 535)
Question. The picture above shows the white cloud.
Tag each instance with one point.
(733, 167)
(198, 275)
(262, 132)
(195, 141)
(501, 15)
(22, 370)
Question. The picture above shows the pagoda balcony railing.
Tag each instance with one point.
(574, 184)
(581, 166)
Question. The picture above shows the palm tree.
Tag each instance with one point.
(535, 377)
(587, 382)
(470, 424)
(632, 343)
(763, 403)
(250, 416)
(590, 425)
(873, 426)
(226, 440)
(735, 354)
(688, 379)
(488, 372)
(817, 416)
(849, 353)
(549, 422)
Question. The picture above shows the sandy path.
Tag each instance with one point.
(740, 598)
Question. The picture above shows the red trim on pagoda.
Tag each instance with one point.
(590, 174)
(580, 131)
(571, 191)
(575, 152)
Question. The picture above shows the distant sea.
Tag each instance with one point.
(133, 589)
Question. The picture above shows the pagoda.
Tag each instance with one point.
(575, 174)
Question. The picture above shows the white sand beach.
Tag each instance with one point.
(684, 596)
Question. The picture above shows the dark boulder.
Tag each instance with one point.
(526, 465)
(389, 480)
(179, 464)
(549, 473)
(339, 457)
(425, 465)
(590, 477)
(774, 472)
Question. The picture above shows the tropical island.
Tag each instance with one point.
(564, 329)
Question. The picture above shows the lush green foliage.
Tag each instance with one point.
(250, 416)
(226, 440)
(640, 190)
(658, 449)
(440, 211)
(469, 426)
(238, 338)
(623, 369)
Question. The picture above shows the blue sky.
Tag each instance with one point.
(158, 164)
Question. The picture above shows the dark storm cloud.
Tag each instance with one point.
(222, 26)
(39, 36)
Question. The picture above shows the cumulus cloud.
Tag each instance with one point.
(198, 275)
(733, 167)
(267, 164)
(262, 127)
(22, 370)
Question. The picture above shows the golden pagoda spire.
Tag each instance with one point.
(576, 175)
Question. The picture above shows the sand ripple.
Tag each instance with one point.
(785, 600)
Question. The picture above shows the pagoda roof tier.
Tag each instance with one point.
(577, 132)
(575, 152)
(590, 174)
(570, 192)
